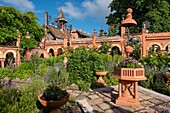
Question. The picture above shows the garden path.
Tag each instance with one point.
(102, 100)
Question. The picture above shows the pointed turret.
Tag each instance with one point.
(61, 21)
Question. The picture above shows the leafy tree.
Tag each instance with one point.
(12, 20)
(157, 12)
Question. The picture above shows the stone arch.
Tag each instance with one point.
(165, 46)
(48, 50)
(10, 58)
(115, 45)
(60, 51)
(51, 52)
(59, 48)
(154, 43)
(115, 50)
(75, 47)
(42, 55)
(10, 51)
(1, 54)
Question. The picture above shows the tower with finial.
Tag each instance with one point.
(60, 20)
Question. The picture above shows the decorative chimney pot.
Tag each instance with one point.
(129, 49)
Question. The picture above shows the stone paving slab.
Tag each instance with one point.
(102, 100)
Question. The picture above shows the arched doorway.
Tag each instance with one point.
(9, 60)
(60, 51)
(51, 52)
(115, 50)
(41, 55)
(155, 48)
(168, 48)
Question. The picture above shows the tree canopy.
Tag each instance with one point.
(157, 12)
(12, 20)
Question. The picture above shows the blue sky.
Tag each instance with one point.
(82, 14)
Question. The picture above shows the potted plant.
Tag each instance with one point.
(129, 71)
(129, 68)
(54, 96)
(101, 71)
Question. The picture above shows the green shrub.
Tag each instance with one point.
(5, 72)
(53, 60)
(117, 58)
(155, 81)
(41, 69)
(82, 65)
(28, 101)
(109, 77)
(22, 74)
(22, 99)
(9, 99)
(23, 71)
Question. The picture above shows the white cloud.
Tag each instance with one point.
(72, 11)
(98, 9)
(23, 5)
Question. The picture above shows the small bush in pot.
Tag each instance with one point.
(54, 93)
(54, 96)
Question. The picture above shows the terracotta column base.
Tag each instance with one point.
(101, 81)
(128, 102)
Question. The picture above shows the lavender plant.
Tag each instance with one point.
(129, 63)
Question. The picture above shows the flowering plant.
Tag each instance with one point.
(129, 63)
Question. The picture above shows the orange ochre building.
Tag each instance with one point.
(56, 38)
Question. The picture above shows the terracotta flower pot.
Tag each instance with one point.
(129, 73)
(101, 73)
(53, 104)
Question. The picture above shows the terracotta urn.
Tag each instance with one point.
(53, 104)
(28, 54)
(100, 75)
(129, 49)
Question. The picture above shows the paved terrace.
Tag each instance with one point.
(102, 100)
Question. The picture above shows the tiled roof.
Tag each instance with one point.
(54, 42)
(82, 33)
(82, 40)
(102, 39)
(57, 33)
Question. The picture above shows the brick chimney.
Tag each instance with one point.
(94, 37)
(46, 18)
(46, 21)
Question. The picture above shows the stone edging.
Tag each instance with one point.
(153, 92)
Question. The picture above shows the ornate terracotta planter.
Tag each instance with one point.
(100, 79)
(101, 73)
(130, 73)
(53, 104)
(128, 77)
